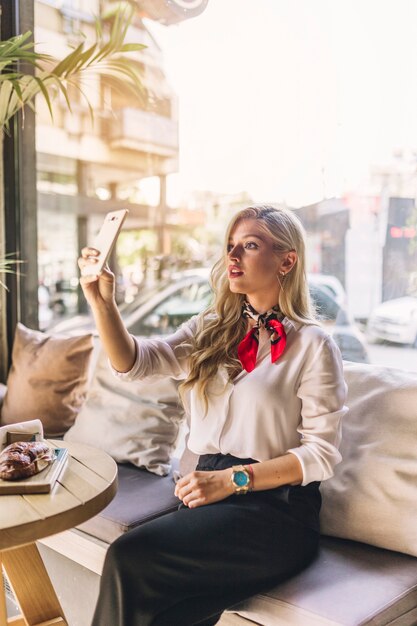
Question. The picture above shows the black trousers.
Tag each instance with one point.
(187, 567)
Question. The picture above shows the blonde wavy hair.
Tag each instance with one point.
(221, 327)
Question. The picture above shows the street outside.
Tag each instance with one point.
(393, 355)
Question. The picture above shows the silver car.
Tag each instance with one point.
(161, 310)
(190, 294)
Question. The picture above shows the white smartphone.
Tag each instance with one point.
(105, 241)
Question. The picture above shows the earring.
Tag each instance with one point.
(282, 274)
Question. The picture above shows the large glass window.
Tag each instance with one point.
(295, 104)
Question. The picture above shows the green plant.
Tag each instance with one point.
(7, 266)
(106, 56)
(19, 86)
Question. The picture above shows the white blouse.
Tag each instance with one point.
(293, 405)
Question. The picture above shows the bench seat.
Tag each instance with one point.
(141, 496)
(349, 584)
(370, 499)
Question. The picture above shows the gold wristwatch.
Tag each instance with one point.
(240, 479)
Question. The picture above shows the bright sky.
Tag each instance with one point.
(291, 100)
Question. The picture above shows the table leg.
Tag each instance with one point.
(3, 614)
(32, 587)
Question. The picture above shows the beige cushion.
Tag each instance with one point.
(136, 422)
(47, 379)
(373, 495)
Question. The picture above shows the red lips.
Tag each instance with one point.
(234, 271)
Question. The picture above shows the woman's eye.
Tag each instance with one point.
(249, 245)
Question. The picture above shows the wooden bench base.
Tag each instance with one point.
(32, 588)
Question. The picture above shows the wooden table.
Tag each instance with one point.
(86, 485)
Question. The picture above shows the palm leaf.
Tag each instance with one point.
(66, 66)
(6, 90)
(45, 94)
(18, 89)
(8, 266)
(64, 92)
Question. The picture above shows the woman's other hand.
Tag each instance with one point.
(98, 289)
(200, 488)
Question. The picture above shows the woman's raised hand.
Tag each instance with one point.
(98, 289)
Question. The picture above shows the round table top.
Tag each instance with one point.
(85, 486)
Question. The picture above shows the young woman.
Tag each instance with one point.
(263, 385)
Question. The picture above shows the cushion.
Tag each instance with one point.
(348, 584)
(135, 422)
(372, 496)
(47, 379)
(141, 497)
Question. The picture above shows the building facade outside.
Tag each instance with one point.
(86, 167)
(368, 242)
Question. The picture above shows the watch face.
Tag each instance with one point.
(240, 479)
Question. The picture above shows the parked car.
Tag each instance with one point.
(394, 320)
(331, 285)
(161, 310)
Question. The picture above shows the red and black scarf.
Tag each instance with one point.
(248, 347)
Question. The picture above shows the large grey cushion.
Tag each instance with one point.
(373, 494)
(141, 497)
(349, 584)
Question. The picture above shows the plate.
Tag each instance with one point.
(39, 483)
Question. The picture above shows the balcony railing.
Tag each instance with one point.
(140, 130)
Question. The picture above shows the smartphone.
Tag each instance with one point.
(105, 240)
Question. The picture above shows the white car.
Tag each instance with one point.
(394, 320)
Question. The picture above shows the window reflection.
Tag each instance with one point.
(175, 310)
